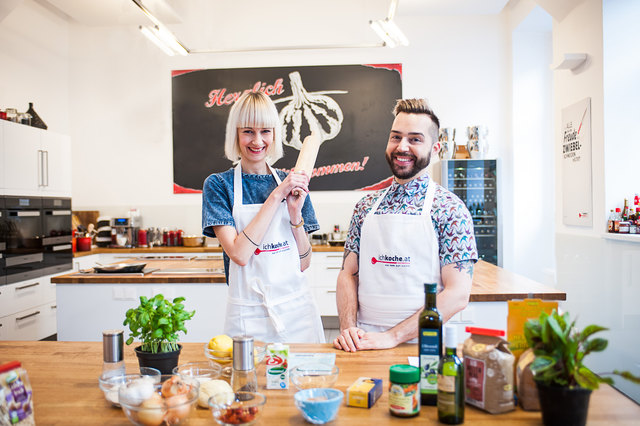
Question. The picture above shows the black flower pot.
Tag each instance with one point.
(563, 405)
(163, 361)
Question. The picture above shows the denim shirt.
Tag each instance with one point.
(217, 202)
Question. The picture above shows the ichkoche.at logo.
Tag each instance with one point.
(273, 248)
(393, 261)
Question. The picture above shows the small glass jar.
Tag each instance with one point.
(404, 390)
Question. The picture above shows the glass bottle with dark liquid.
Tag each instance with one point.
(430, 346)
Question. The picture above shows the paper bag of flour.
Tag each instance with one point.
(488, 370)
(525, 386)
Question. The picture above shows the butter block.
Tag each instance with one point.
(364, 392)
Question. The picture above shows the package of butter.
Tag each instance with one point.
(16, 399)
(364, 392)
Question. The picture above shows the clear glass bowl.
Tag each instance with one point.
(319, 406)
(226, 358)
(111, 385)
(314, 375)
(202, 371)
(170, 402)
(240, 408)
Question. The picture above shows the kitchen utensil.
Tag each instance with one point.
(192, 241)
(120, 268)
(308, 154)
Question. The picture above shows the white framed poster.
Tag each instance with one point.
(577, 203)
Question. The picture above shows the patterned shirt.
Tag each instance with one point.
(451, 220)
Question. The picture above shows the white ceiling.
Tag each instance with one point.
(237, 24)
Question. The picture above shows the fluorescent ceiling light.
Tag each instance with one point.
(377, 27)
(154, 38)
(387, 30)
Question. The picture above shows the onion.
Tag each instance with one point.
(175, 386)
(152, 411)
(180, 409)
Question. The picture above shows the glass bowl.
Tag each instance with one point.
(314, 375)
(240, 408)
(226, 358)
(318, 406)
(170, 402)
(202, 371)
(110, 385)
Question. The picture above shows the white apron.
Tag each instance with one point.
(269, 297)
(398, 254)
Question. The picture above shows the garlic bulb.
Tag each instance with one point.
(319, 111)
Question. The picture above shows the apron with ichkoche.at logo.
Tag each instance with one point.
(269, 298)
(398, 254)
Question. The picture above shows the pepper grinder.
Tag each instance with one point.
(112, 353)
(243, 375)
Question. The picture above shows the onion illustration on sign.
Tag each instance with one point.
(319, 111)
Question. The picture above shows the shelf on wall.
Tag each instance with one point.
(632, 238)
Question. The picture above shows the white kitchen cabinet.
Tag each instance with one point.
(34, 323)
(35, 162)
(323, 276)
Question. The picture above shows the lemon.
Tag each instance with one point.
(221, 345)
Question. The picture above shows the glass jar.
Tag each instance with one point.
(404, 390)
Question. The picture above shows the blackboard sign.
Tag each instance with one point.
(351, 104)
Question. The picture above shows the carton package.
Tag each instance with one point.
(488, 370)
(277, 369)
(519, 312)
(364, 392)
(526, 387)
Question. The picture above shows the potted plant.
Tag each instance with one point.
(564, 383)
(157, 322)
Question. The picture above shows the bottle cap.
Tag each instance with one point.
(617, 209)
(112, 342)
(430, 287)
(243, 353)
(450, 336)
(403, 373)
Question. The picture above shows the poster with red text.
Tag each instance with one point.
(350, 104)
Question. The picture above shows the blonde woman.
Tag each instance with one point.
(262, 227)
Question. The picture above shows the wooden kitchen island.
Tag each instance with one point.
(64, 377)
(103, 299)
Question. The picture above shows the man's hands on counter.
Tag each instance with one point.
(356, 339)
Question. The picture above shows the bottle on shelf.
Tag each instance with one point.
(430, 345)
(616, 220)
(450, 381)
(610, 221)
(625, 210)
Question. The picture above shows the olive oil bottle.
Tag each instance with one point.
(430, 346)
(450, 381)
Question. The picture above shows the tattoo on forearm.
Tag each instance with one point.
(465, 266)
(344, 259)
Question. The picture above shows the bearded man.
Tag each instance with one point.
(400, 237)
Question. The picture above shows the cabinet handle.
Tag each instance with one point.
(331, 291)
(335, 255)
(41, 168)
(334, 267)
(47, 165)
(54, 306)
(27, 286)
(28, 316)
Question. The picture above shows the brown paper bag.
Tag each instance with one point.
(526, 387)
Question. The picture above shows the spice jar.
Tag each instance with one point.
(404, 391)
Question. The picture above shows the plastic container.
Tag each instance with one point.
(404, 390)
(320, 405)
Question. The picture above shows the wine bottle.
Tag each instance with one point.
(450, 381)
(430, 346)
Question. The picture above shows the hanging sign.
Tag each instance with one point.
(575, 157)
(351, 104)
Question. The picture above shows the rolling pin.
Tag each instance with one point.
(307, 157)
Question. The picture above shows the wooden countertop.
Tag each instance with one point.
(64, 378)
(490, 283)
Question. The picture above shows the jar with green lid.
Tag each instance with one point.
(404, 390)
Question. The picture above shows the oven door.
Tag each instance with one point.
(3, 242)
(56, 241)
(24, 253)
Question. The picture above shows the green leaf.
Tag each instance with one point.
(595, 345)
(559, 332)
(129, 340)
(179, 299)
(542, 363)
(589, 330)
(587, 379)
(163, 321)
(627, 375)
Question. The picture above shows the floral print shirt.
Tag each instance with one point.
(451, 220)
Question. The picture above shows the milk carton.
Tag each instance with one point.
(277, 360)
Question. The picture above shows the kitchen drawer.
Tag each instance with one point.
(26, 294)
(325, 300)
(324, 269)
(31, 324)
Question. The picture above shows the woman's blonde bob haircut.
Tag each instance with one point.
(253, 109)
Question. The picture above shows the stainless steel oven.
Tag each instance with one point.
(23, 236)
(3, 243)
(56, 239)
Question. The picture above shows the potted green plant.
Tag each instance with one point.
(156, 322)
(564, 383)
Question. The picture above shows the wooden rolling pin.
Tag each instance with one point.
(307, 157)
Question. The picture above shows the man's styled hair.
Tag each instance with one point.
(418, 106)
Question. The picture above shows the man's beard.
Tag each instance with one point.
(418, 165)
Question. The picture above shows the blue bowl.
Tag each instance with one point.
(319, 405)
